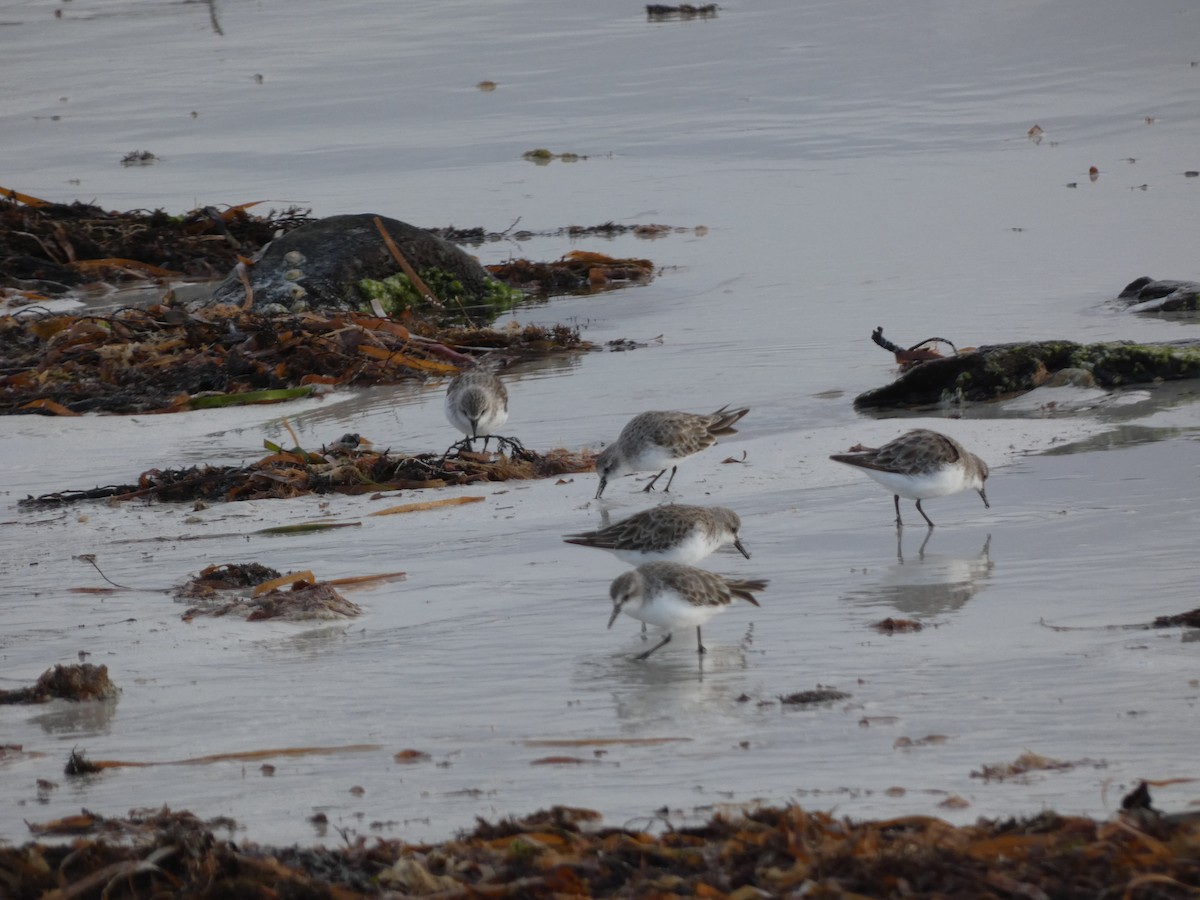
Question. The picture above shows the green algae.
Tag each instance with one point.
(397, 295)
(246, 398)
(1115, 364)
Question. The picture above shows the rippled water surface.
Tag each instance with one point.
(830, 167)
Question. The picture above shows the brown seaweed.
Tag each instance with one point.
(75, 682)
(162, 359)
(342, 470)
(564, 852)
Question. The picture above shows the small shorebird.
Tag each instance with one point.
(678, 534)
(670, 595)
(477, 404)
(918, 465)
(656, 440)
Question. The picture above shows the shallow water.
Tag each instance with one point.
(852, 166)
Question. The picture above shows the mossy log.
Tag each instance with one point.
(1000, 371)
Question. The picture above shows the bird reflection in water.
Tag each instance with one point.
(930, 584)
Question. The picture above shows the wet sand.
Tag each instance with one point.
(841, 185)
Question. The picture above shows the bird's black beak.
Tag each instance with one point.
(613, 617)
(600, 490)
(983, 494)
(737, 542)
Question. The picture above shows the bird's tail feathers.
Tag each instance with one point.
(724, 419)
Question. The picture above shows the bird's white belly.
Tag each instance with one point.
(652, 457)
(669, 611)
(490, 421)
(937, 483)
(691, 549)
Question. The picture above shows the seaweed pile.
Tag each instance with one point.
(75, 682)
(50, 248)
(163, 359)
(172, 356)
(343, 468)
(562, 852)
(47, 249)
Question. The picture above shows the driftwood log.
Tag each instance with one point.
(1001, 371)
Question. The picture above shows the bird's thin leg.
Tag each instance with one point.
(700, 648)
(650, 486)
(672, 478)
(896, 497)
(661, 643)
(921, 552)
(922, 512)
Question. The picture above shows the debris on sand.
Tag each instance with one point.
(79, 764)
(657, 12)
(302, 601)
(922, 351)
(1026, 764)
(287, 261)
(1189, 619)
(897, 626)
(542, 156)
(564, 852)
(75, 682)
(217, 579)
(48, 249)
(329, 303)
(162, 359)
(816, 697)
(284, 474)
(256, 592)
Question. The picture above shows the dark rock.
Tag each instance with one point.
(1147, 294)
(320, 265)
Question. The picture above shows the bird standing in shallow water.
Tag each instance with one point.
(680, 534)
(477, 404)
(658, 439)
(670, 595)
(918, 465)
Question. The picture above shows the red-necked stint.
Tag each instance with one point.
(918, 465)
(477, 404)
(670, 533)
(656, 440)
(670, 595)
